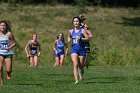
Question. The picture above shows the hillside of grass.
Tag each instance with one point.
(116, 31)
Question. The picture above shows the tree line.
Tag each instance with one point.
(110, 3)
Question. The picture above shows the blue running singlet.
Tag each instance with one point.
(60, 48)
(78, 46)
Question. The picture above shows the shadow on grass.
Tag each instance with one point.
(106, 80)
(60, 74)
(30, 84)
(130, 21)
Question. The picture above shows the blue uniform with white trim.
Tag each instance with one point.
(4, 44)
(78, 46)
(60, 48)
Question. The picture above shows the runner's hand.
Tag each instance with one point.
(56, 52)
(28, 55)
(39, 53)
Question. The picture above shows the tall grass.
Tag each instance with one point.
(116, 31)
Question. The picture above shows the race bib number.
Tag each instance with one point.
(75, 41)
(60, 50)
(33, 52)
(4, 46)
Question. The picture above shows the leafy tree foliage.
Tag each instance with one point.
(112, 3)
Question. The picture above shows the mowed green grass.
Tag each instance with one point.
(98, 79)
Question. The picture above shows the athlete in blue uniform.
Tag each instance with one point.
(59, 49)
(87, 43)
(7, 42)
(33, 50)
(78, 36)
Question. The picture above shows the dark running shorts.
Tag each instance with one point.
(6, 56)
(87, 47)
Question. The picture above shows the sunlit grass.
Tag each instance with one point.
(47, 79)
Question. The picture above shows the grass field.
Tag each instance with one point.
(115, 46)
(99, 79)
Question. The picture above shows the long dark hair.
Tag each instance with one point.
(8, 26)
(77, 18)
(62, 36)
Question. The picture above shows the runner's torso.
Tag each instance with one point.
(4, 44)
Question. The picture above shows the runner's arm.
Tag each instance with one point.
(69, 36)
(88, 31)
(26, 49)
(54, 46)
(85, 38)
(11, 37)
(39, 49)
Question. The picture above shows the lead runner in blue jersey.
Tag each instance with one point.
(78, 53)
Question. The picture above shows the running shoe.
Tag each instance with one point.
(8, 76)
(76, 82)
